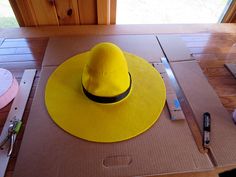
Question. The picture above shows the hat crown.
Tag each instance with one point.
(106, 72)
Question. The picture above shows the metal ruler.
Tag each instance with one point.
(174, 107)
(188, 112)
(15, 114)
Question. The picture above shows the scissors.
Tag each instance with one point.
(13, 129)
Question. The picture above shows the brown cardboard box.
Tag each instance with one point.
(46, 150)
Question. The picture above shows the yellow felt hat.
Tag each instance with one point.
(105, 76)
(105, 94)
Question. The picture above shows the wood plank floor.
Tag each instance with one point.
(212, 51)
(17, 55)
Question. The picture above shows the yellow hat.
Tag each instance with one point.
(105, 77)
(105, 95)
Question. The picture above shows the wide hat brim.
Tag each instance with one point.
(71, 110)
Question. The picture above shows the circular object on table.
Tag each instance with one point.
(8, 87)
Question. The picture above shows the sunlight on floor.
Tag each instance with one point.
(170, 11)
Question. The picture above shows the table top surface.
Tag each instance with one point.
(211, 45)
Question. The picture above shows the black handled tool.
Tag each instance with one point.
(206, 129)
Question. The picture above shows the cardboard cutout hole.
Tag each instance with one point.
(117, 161)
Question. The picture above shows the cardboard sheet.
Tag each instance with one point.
(174, 48)
(145, 46)
(203, 98)
(46, 150)
(167, 147)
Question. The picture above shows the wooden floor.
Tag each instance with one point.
(17, 55)
(212, 51)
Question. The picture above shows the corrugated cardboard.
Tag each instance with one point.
(145, 46)
(203, 98)
(46, 150)
(175, 48)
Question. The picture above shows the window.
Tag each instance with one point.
(7, 17)
(170, 11)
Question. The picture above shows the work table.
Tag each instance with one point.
(211, 45)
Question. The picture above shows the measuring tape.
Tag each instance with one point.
(13, 122)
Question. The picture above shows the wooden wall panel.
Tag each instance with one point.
(45, 12)
(113, 11)
(103, 12)
(17, 12)
(87, 12)
(67, 12)
(27, 13)
(64, 12)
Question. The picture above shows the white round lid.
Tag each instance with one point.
(6, 80)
